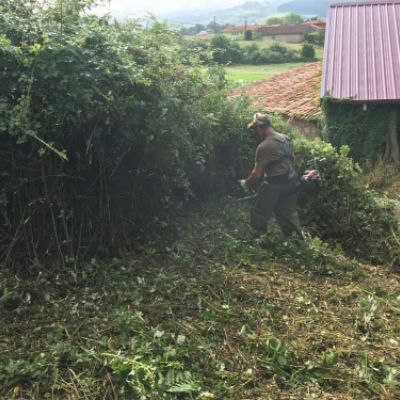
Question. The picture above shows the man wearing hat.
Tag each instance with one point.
(275, 176)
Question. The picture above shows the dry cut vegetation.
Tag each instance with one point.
(212, 315)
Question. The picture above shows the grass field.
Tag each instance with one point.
(250, 73)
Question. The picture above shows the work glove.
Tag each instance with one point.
(243, 185)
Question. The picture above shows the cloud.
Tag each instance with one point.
(131, 8)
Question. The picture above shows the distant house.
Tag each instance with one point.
(317, 24)
(362, 63)
(236, 30)
(205, 33)
(287, 33)
(294, 95)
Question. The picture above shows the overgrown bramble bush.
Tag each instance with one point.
(103, 127)
(345, 213)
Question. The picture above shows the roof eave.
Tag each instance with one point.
(361, 101)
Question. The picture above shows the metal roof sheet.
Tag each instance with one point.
(362, 52)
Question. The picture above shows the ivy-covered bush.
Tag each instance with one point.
(103, 127)
(364, 131)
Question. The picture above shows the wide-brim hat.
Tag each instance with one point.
(259, 119)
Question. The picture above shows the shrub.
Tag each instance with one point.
(259, 57)
(248, 35)
(279, 48)
(251, 53)
(275, 57)
(345, 213)
(293, 56)
(308, 51)
(103, 128)
(225, 50)
(316, 37)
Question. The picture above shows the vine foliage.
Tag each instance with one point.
(363, 130)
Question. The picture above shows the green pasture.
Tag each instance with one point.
(250, 73)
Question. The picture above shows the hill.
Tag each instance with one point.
(307, 7)
(254, 11)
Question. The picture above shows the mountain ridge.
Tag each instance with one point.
(253, 11)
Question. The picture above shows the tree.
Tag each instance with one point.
(308, 51)
(192, 30)
(198, 28)
(225, 50)
(288, 19)
(293, 19)
(214, 26)
(315, 37)
(248, 35)
(274, 21)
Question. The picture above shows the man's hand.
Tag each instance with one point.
(256, 176)
(243, 185)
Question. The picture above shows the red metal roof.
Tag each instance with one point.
(362, 51)
(320, 23)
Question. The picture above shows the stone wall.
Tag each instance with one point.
(308, 128)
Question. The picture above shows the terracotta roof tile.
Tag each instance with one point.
(294, 93)
(285, 29)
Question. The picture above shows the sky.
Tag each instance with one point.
(132, 8)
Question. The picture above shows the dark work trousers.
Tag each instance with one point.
(279, 199)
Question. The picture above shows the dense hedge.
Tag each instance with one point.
(103, 128)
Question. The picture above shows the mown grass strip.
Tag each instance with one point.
(250, 73)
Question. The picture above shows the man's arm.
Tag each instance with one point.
(256, 176)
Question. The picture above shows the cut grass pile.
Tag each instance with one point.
(213, 314)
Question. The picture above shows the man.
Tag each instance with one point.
(275, 176)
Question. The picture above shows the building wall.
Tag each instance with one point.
(308, 128)
(293, 38)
